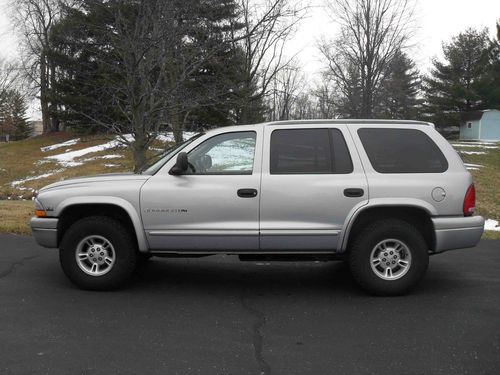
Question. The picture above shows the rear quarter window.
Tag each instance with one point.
(402, 151)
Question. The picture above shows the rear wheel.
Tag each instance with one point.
(98, 253)
(388, 257)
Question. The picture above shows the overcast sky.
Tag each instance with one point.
(437, 21)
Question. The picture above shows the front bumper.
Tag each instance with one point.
(44, 230)
(457, 232)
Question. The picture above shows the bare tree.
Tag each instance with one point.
(286, 86)
(325, 96)
(34, 20)
(267, 26)
(149, 55)
(371, 33)
(9, 75)
(141, 71)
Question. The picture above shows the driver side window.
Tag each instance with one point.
(224, 154)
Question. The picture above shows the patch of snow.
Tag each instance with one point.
(489, 147)
(71, 142)
(112, 156)
(472, 152)
(31, 178)
(71, 163)
(169, 136)
(491, 224)
(473, 167)
(475, 143)
(22, 188)
(111, 165)
(67, 159)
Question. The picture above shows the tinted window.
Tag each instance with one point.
(307, 151)
(402, 151)
(229, 153)
(342, 162)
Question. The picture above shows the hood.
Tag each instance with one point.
(102, 178)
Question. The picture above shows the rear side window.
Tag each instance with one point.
(309, 151)
(402, 151)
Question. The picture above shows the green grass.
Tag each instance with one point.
(487, 182)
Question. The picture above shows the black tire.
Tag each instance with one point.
(123, 250)
(382, 232)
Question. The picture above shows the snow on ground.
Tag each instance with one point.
(472, 152)
(491, 224)
(71, 142)
(112, 156)
(169, 137)
(475, 143)
(67, 159)
(31, 178)
(490, 147)
(473, 167)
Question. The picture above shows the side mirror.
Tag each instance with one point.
(181, 164)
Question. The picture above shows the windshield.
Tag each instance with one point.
(155, 166)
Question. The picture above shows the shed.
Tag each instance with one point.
(481, 125)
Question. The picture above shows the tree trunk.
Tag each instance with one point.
(54, 118)
(43, 94)
(139, 150)
(177, 125)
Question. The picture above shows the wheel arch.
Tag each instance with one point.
(415, 213)
(73, 209)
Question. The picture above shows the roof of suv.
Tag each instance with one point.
(349, 121)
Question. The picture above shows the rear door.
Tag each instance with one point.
(311, 179)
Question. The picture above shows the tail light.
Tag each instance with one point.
(470, 201)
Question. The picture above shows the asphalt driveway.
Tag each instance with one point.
(217, 315)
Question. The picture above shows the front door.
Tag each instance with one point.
(214, 206)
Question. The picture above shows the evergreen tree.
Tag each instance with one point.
(457, 84)
(13, 119)
(398, 98)
(86, 53)
(140, 66)
(488, 86)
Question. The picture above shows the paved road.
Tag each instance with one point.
(219, 316)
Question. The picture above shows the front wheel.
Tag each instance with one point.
(388, 257)
(98, 253)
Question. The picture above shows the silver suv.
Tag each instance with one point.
(381, 195)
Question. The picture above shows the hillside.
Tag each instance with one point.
(26, 166)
